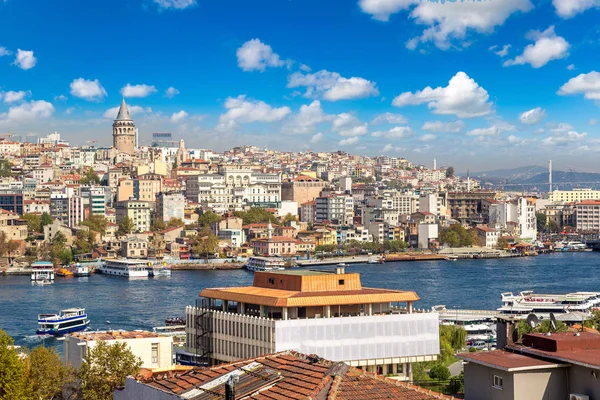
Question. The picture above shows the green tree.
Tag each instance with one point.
(450, 172)
(553, 226)
(158, 226)
(450, 238)
(83, 243)
(175, 223)
(289, 218)
(47, 374)
(34, 223)
(90, 178)
(125, 226)
(457, 236)
(541, 220)
(502, 244)
(96, 223)
(204, 243)
(46, 219)
(207, 218)
(459, 338)
(394, 246)
(439, 372)
(256, 215)
(5, 169)
(105, 368)
(457, 384)
(14, 384)
(7, 246)
(327, 248)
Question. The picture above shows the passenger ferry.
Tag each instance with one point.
(265, 264)
(542, 305)
(42, 271)
(81, 270)
(125, 268)
(66, 321)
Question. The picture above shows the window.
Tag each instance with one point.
(498, 382)
(271, 281)
(154, 353)
(341, 282)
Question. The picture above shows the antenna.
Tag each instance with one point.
(550, 176)
(553, 322)
(533, 320)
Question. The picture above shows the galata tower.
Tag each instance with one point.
(124, 131)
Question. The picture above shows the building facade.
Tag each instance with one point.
(139, 212)
(170, 205)
(124, 131)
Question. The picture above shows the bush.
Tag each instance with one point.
(457, 384)
(439, 372)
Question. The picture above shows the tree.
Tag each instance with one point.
(439, 372)
(256, 215)
(13, 372)
(58, 252)
(84, 243)
(289, 218)
(46, 219)
(96, 223)
(502, 244)
(7, 246)
(90, 178)
(47, 374)
(125, 226)
(394, 246)
(541, 220)
(204, 243)
(327, 248)
(450, 172)
(207, 218)
(457, 236)
(158, 226)
(105, 368)
(175, 223)
(34, 223)
(5, 169)
(457, 384)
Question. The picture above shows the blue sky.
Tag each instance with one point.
(479, 85)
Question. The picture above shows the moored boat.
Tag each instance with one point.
(175, 321)
(543, 305)
(265, 264)
(66, 321)
(64, 273)
(42, 271)
(80, 270)
(125, 268)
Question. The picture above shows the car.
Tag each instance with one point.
(480, 345)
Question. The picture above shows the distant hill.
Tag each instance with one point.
(536, 177)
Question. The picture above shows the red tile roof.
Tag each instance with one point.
(506, 360)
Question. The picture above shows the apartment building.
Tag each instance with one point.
(292, 310)
(139, 212)
(587, 215)
(66, 209)
(170, 205)
(574, 195)
(337, 209)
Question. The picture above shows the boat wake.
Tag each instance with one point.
(33, 339)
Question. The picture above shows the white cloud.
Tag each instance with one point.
(25, 59)
(61, 97)
(532, 116)
(4, 51)
(564, 138)
(397, 132)
(443, 127)
(503, 52)
(111, 113)
(588, 84)
(389, 118)
(171, 92)
(349, 141)
(254, 55)
(428, 137)
(569, 8)
(593, 121)
(317, 138)
(491, 131)
(571, 67)
(305, 68)
(87, 89)
(30, 111)
(547, 47)
(346, 124)
(452, 20)
(332, 86)
(13, 97)
(389, 147)
(175, 4)
(462, 97)
(307, 119)
(382, 9)
(563, 127)
(137, 90)
(241, 111)
(178, 117)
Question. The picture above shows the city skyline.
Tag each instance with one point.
(513, 84)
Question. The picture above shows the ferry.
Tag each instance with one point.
(66, 321)
(542, 305)
(125, 268)
(171, 330)
(265, 264)
(80, 270)
(42, 271)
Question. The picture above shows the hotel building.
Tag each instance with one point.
(315, 312)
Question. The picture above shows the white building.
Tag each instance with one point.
(66, 209)
(170, 205)
(426, 233)
(588, 216)
(336, 208)
(155, 351)
(526, 218)
(574, 196)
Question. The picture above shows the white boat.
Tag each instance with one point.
(543, 304)
(171, 330)
(125, 268)
(42, 271)
(66, 321)
(452, 257)
(342, 264)
(81, 270)
(265, 264)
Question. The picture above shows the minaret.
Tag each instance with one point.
(124, 130)
(434, 164)
(270, 231)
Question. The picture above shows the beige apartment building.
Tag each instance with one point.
(138, 211)
(575, 195)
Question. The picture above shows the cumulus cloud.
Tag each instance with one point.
(503, 52)
(546, 47)
(389, 118)
(570, 8)
(451, 21)
(491, 131)
(13, 97)
(532, 116)
(241, 111)
(563, 127)
(346, 124)
(254, 55)
(389, 147)
(87, 89)
(138, 90)
(593, 121)
(112, 112)
(443, 127)
(397, 132)
(462, 97)
(30, 111)
(318, 137)
(571, 67)
(332, 86)
(349, 141)
(307, 119)
(175, 4)
(25, 59)
(382, 9)
(564, 138)
(171, 92)
(586, 84)
(179, 117)
(4, 51)
(428, 137)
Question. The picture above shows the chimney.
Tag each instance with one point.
(506, 331)
(340, 270)
(230, 386)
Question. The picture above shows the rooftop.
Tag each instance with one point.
(507, 361)
(114, 335)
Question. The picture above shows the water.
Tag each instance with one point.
(144, 303)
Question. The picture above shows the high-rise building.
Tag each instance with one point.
(66, 209)
(124, 130)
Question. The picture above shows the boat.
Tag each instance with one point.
(42, 271)
(64, 272)
(542, 305)
(451, 258)
(170, 330)
(158, 271)
(374, 260)
(66, 321)
(265, 264)
(183, 357)
(80, 270)
(125, 268)
(342, 264)
(175, 321)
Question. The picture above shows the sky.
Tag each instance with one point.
(477, 85)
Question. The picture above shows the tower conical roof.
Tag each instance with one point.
(123, 112)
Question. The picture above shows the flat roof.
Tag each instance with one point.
(508, 361)
(115, 335)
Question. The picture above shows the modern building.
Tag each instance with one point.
(315, 312)
(66, 209)
(124, 131)
(12, 200)
(139, 212)
(526, 218)
(96, 196)
(587, 216)
(155, 351)
(573, 196)
(335, 208)
(170, 205)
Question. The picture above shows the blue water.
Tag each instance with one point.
(144, 303)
